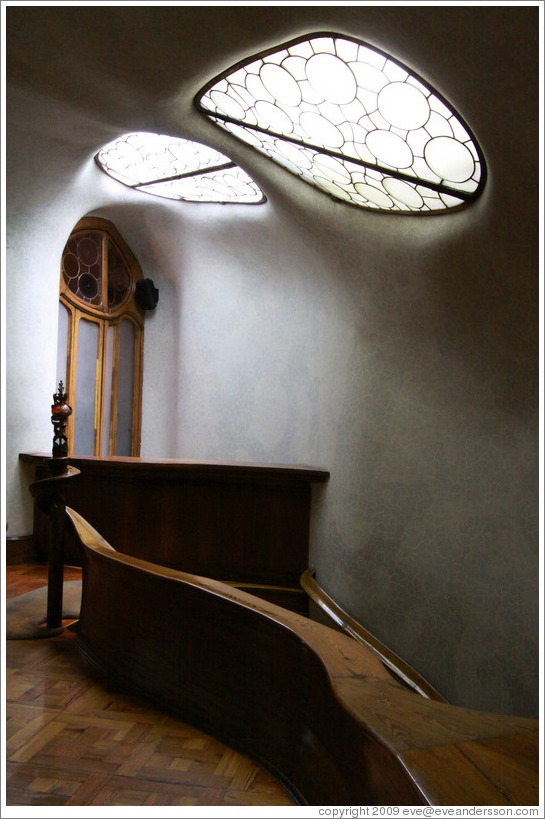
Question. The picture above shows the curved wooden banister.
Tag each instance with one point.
(54, 482)
(408, 675)
(312, 705)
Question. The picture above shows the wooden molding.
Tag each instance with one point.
(134, 468)
(21, 549)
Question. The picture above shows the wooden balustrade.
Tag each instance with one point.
(401, 669)
(312, 705)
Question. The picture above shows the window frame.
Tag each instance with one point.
(224, 121)
(127, 309)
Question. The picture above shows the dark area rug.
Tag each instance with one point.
(26, 614)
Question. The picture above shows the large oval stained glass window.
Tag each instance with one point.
(352, 121)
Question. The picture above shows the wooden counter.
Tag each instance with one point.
(242, 522)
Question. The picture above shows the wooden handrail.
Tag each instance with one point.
(408, 675)
(312, 705)
(132, 468)
(54, 482)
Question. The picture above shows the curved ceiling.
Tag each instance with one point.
(166, 54)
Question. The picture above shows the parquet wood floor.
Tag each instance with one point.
(75, 739)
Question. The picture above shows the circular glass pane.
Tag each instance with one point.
(332, 78)
(225, 104)
(403, 105)
(332, 188)
(373, 195)
(272, 117)
(404, 192)
(333, 168)
(88, 286)
(70, 265)
(88, 250)
(297, 156)
(321, 131)
(368, 76)
(280, 84)
(449, 159)
(389, 148)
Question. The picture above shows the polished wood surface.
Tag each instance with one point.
(402, 670)
(74, 738)
(173, 468)
(285, 596)
(239, 522)
(312, 705)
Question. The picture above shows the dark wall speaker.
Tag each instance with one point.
(146, 294)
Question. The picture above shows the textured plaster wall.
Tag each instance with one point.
(400, 353)
(395, 366)
(45, 200)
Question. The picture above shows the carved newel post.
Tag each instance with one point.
(60, 411)
(50, 494)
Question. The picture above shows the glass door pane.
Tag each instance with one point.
(86, 383)
(62, 345)
(107, 398)
(125, 388)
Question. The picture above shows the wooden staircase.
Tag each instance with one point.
(337, 719)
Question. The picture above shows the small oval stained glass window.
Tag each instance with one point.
(352, 121)
(175, 168)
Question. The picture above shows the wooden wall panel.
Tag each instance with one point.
(235, 522)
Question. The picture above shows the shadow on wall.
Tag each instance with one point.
(486, 314)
